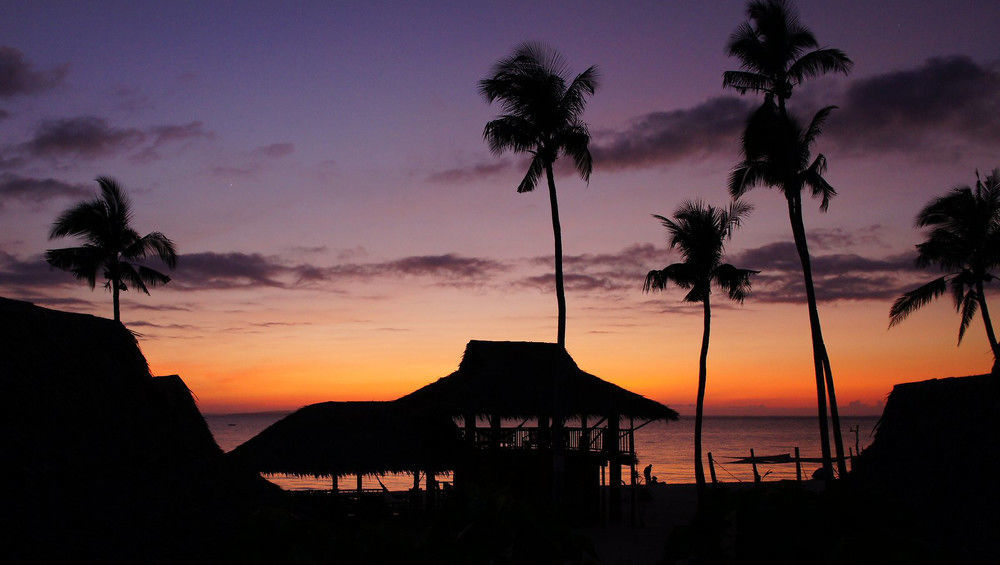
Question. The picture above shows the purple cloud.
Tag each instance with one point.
(274, 150)
(36, 191)
(18, 76)
(712, 127)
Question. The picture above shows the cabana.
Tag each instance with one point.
(353, 438)
(541, 385)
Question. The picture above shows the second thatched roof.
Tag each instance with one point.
(523, 379)
(339, 438)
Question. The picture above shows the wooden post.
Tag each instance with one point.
(416, 479)
(431, 487)
(851, 452)
(614, 469)
(359, 483)
(753, 461)
(496, 426)
(470, 429)
(798, 466)
(584, 434)
(711, 468)
(634, 496)
(333, 483)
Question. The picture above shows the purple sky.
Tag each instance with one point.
(322, 169)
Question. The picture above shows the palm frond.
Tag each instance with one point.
(744, 81)
(575, 142)
(83, 262)
(156, 243)
(969, 305)
(813, 178)
(677, 273)
(575, 99)
(86, 219)
(531, 176)
(511, 133)
(816, 125)
(735, 282)
(820, 62)
(915, 299)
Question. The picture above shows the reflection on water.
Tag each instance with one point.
(668, 447)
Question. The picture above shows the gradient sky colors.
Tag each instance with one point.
(344, 230)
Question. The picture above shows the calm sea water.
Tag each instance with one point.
(668, 447)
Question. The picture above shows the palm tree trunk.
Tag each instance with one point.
(699, 469)
(831, 393)
(981, 296)
(114, 295)
(557, 233)
(799, 234)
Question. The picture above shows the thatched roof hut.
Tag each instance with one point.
(78, 396)
(103, 462)
(942, 428)
(342, 438)
(523, 379)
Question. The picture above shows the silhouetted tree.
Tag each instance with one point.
(777, 53)
(700, 233)
(964, 242)
(776, 151)
(111, 247)
(541, 116)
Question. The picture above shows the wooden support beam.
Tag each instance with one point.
(753, 462)
(798, 466)
(711, 468)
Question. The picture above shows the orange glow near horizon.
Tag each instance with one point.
(759, 361)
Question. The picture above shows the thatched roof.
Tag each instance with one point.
(940, 427)
(102, 462)
(77, 394)
(191, 434)
(520, 379)
(351, 437)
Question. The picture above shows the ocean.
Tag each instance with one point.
(669, 447)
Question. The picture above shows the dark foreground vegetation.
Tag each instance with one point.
(924, 492)
(103, 462)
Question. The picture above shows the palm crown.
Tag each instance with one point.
(777, 152)
(541, 110)
(777, 53)
(700, 232)
(111, 247)
(964, 242)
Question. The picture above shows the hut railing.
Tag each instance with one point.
(574, 438)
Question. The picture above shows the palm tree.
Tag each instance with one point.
(777, 153)
(110, 244)
(964, 241)
(777, 53)
(541, 116)
(700, 233)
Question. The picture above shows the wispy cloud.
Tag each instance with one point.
(943, 101)
(91, 137)
(15, 188)
(18, 76)
(710, 128)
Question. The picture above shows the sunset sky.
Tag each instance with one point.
(344, 230)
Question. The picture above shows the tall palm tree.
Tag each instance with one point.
(777, 53)
(700, 233)
(777, 153)
(541, 115)
(110, 244)
(964, 241)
